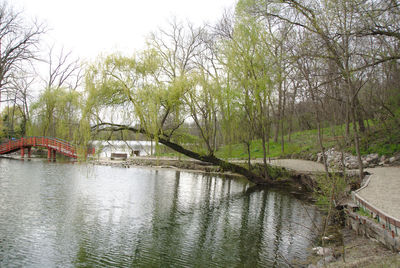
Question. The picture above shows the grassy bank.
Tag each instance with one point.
(380, 139)
(375, 140)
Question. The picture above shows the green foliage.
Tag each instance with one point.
(381, 149)
(301, 142)
(12, 122)
(329, 188)
(227, 87)
(129, 87)
(274, 172)
(378, 140)
(253, 76)
(56, 114)
(382, 139)
(363, 212)
(238, 150)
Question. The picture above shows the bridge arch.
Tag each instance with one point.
(53, 145)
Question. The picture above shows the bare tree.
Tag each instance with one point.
(63, 70)
(330, 24)
(18, 43)
(20, 89)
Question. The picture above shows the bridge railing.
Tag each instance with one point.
(57, 144)
(9, 146)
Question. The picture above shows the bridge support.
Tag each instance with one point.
(29, 152)
(22, 152)
(51, 154)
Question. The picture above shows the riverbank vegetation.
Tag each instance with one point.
(271, 78)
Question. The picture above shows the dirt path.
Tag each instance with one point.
(298, 165)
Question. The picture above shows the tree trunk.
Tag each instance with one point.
(278, 116)
(248, 154)
(291, 114)
(264, 155)
(320, 138)
(321, 145)
(357, 142)
(347, 122)
(268, 135)
(282, 121)
(12, 120)
(359, 115)
(268, 129)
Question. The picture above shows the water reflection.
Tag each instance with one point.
(74, 215)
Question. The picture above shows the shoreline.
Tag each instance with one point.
(164, 163)
(193, 169)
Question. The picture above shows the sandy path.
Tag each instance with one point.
(383, 190)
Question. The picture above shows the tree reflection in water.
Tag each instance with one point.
(63, 215)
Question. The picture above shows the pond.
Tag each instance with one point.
(78, 215)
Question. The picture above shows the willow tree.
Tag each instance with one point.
(153, 93)
(12, 122)
(56, 114)
(202, 102)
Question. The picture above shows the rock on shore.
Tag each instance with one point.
(334, 159)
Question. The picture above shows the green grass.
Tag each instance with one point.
(301, 142)
(381, 141)
(363, 212)
(376, 140)
(256, 151)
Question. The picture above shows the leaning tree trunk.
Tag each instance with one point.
(218, 162)
(251, 176)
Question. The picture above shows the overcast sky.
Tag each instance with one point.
(93, 27)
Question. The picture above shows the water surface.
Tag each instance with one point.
(74, 215)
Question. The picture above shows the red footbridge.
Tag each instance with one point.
(53, 146)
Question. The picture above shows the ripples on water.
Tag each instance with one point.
(71, 215)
